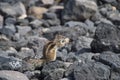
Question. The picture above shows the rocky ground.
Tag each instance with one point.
(92, 25)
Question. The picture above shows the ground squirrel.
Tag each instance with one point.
(50, 49)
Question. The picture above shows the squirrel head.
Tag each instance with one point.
(60, 40)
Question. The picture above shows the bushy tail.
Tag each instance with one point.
(36, 62)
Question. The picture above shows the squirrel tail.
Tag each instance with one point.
(36, 62)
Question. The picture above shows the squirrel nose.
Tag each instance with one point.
(70, 40)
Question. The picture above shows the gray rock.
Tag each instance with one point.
(57, 74)
(8, 63)
(12, 75)
(11, 27)
(12, 63)
(26, 52)
(1, 21)
(88, 71)
(17, 9)
(111, 59)
(106, 38)
(114, 17)
(109, 1)
(23, 30)
(10, 20)
(53, 70)
(33, 74)
(22, 22)
(8, 32)
(82, 44)
(37, 43)
(36, 24)
(71, 57)
(74, 8)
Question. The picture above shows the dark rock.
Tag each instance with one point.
(87, 56)
(10, 20)
(8, 63)
(88, 71)
(8, 32)
(81, 44)
(37, 43)
(12, 75)
(22, 30)
(26, 52)
(5, 43)
(11, 27)
(83, 9)
(114, 17)
(33, 74)
(12, 63)
(111, 59)
(71, 57)
(20, 43)
(17, 9)
(53, 70)
(36, 24)
(55, 75)
(22, 22)
(106, 38)
(1, 21)
(109, 1)
(87, 26)
(51, 20)
(50, 16)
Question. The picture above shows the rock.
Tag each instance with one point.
(8, 63)
(36, 23)
(114, 17)
(33, 74)
(1, 21)
(111, 59)
(37, 11)
(57, 74)
(81, 44)
(74, 8)
(71, 57)
(12, 63)
(88, 26)
(11, 27)
(26, 52)
(50, 16)
(37, 43)
(17, 9)
(5, 43)
(106, 38)
(8, 32)
(47, 2)
(10, 21)
(12, 75)
(50, 19)
(87, 56)
(22, 22)
(23, 30)
(88, 71)
(53, 70)
(109, 1)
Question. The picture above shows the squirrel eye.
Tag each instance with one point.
(62, 41)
